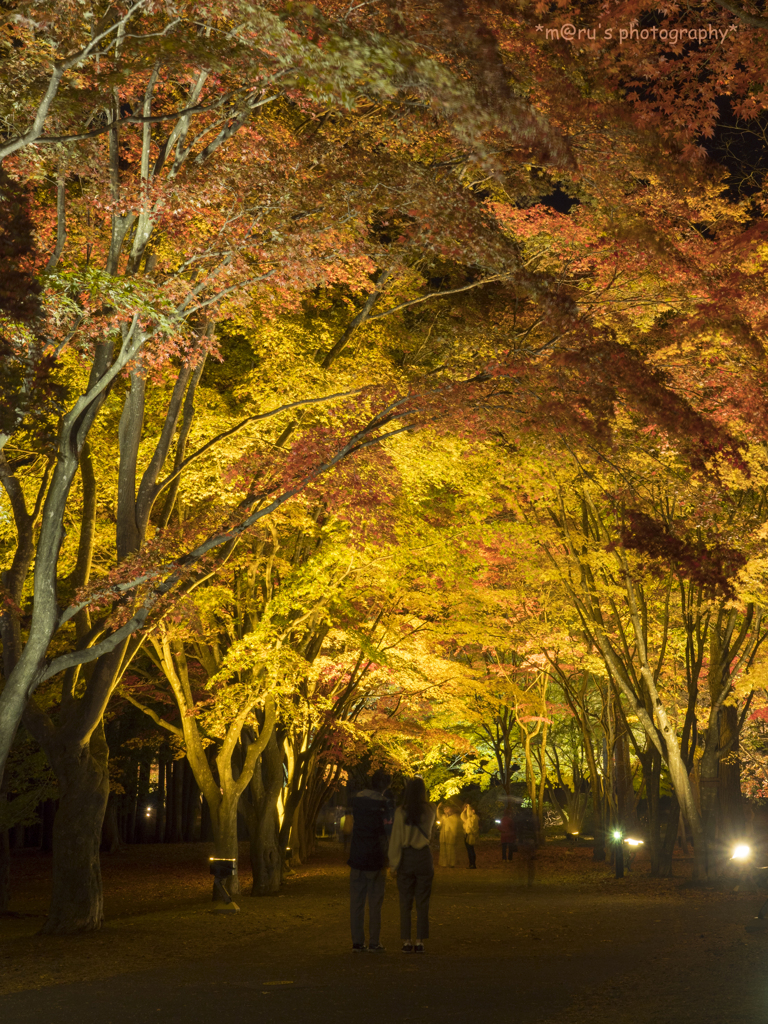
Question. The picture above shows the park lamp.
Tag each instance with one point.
(634, 842)
(617, 835)
(741, 852)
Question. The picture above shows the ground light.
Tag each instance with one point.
(222, 868)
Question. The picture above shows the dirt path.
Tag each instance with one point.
(578, 946)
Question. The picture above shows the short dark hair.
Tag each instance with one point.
(380, 779)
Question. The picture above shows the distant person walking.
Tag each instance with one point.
(450, 830)
(471, 824)
(368, 863)
(411, 858)
(507, 834)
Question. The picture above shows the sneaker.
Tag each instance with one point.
(357, 948)
(419, 947)
(378, 948)
(408, 947)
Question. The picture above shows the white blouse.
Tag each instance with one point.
(409, 835)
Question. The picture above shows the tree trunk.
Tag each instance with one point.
(142, 791)
(133, 806)
(110, 831)
(263, 823)
(708, 786)
(651, 765)
(626, 809)
(266, 862)
(169, 795)
(5, 863)
(191, 804)
(730, 803)
(161, 797)
(177, 802)
(49, 815)
(670, 838)
(224, 822)
(83, 777)
(297, 841)
(684, 792)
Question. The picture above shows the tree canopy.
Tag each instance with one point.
(383, 383)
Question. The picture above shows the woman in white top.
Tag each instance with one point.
(411, 858)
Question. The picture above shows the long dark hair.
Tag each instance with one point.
(414, 801)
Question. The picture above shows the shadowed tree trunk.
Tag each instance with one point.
(177, 803)
(670, 838)
(83, 776)
(5, 862)
(161, 801)
(191, 804)
(730, 803)
(260, 803)
(110, 831)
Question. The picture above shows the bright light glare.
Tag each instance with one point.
(634, 842)
(617, 835)
(741, 852)
(498, 821)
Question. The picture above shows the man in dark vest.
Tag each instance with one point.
(368, 863)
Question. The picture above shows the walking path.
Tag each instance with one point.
(582, 949)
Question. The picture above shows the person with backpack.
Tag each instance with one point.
(368, 863)
(411, 859)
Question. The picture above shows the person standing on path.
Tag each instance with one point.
(368, 863)
(471, 823)
(450, 828)
(507, 834)
(411, 859)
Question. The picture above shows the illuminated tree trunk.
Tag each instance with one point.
(224, 822)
